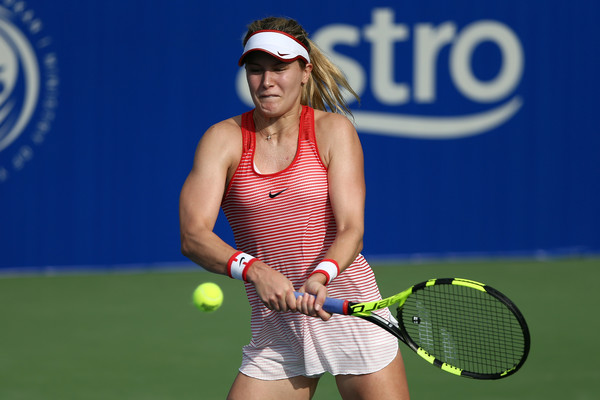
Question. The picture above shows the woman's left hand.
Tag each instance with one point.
(312, 304)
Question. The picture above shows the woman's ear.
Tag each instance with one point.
(306, 74)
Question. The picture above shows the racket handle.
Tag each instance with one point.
(331, 305)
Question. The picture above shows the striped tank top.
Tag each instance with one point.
(285, 220)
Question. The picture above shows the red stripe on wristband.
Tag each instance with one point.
(247, 267)
(322, 271)
(232, 259)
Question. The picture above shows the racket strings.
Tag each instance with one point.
(464, 327)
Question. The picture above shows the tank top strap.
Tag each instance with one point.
(248, 129)
(307, 124)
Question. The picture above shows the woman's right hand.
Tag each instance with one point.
(273, 288)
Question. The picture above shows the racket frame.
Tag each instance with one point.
(396, 327)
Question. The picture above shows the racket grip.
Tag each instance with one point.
(331, 305)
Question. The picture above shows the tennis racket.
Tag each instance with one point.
(464, 327)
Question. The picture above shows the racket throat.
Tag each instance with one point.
(391, 326)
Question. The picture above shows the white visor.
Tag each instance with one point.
(278, 44)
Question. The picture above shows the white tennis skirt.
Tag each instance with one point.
(293, 344)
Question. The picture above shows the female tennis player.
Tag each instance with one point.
(289, 178)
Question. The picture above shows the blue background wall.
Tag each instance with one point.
(126, 89)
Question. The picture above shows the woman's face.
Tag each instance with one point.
(275, 86)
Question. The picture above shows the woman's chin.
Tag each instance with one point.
(269, 109)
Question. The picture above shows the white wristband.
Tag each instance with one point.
(238, 265)
(329, 268)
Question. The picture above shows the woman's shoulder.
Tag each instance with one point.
(221, 144)
(223, 131)
(223, 137)
(227, 126)
(329, 123)
(335, 133)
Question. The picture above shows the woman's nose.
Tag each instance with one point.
(268, 78)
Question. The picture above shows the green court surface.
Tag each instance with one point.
(137, 336)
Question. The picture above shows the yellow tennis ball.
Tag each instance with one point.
(208, 297)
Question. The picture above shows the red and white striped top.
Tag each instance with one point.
(285, 219)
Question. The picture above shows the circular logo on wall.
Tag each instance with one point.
(28, 86)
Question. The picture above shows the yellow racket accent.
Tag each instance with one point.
(431, 360)
(469, 283)
(426, 356)
(451, 369)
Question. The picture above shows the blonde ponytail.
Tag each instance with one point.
(324, 88)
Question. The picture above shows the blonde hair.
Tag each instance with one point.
(325, 85)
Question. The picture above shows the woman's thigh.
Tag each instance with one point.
(386, 384)
(296, 388)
